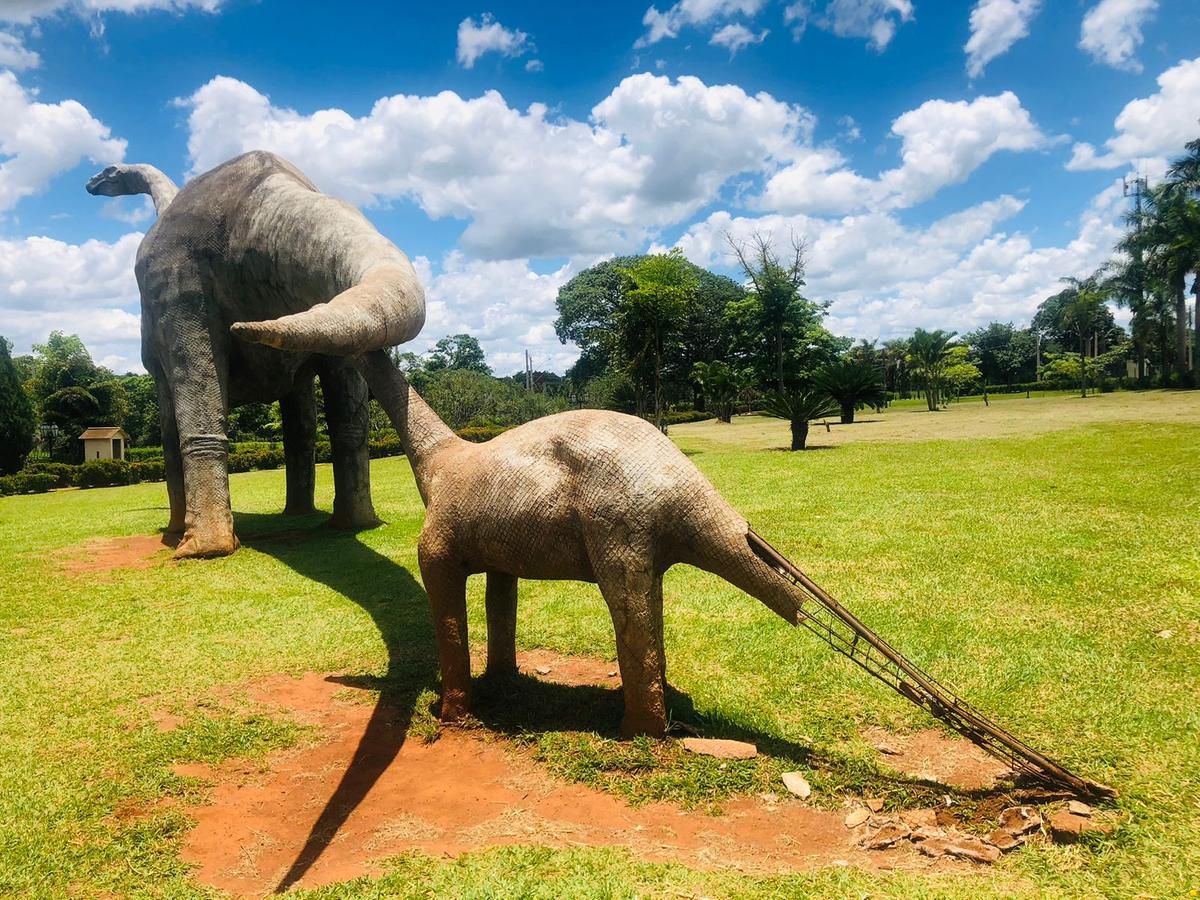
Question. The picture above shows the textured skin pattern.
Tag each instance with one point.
(254, 239)
(588, 495)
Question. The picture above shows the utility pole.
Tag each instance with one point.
(528, 372)
(1135, 189)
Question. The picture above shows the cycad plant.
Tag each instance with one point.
(853, 383)
(799, 407)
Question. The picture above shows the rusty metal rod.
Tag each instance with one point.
(919, 688)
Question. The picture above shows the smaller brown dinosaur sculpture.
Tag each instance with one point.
(588, 495)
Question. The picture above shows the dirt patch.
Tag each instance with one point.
(569, 670)
(932, 755)
(267, 825)
(98, 555)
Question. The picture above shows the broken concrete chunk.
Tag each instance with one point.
(1067, 828)
(887, 749)
(961, 846)
(1166, 634)
(720, 749)
(797, 784)
(917, 818)
(874, 804)
(542, 670)
(887, 835)
(1079, 808)
(1020, 820)
(1003, 841)
(857, 817)
(927, 833)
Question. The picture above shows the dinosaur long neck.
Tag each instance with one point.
(422, 432)
(144, 179)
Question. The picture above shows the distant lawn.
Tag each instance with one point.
(1029, 559)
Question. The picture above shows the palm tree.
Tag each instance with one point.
(854, 384)
(1170, 243)
(718, 387)
(929, 355)
(1084, 302)
(799, 408)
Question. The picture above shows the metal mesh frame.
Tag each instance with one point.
(840, 629)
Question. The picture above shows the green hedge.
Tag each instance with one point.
(104, 473)
(64, 475)
(681, 416)
(137, 454)
(26, 483)
(477, 434)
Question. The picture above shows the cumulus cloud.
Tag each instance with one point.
(87, 289)
(1112, 31)
(1150, 129)
(41, 140)
(692, 14)
(653, 152)
(876, 20)
(995, 26)
(942, 143)
(885, 278)
(15, 55)
(735, 37)
(489, 36)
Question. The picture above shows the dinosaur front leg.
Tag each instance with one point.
(298, 410)
(501, 602)
(633, 592)
(446, 584)
(348, 416)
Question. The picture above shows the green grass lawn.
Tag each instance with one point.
(1033, 573)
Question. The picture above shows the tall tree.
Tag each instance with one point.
(16, 415)
(659, 289)
(1082, 307)
(776, 284)
(929, 356)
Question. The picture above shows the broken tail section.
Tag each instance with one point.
(838, 627)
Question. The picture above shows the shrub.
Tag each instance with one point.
(147, 470)
(680, 416)
(477, 434)
(324, 452)
(104, 473)
(64, 475)
(385, 445)
(26, 483)
(246, 460)
(137, 454)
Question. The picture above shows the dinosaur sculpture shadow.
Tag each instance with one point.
(399, 609)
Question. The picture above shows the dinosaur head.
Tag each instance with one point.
(112, 182)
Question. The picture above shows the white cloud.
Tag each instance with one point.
(692, 14)
(796, 15)
(489, 36)
(87, 289)
(653, 153)
(875, 20)
(884, 278)
(130, 210)
(735, 37)
(1152, 128)
(25, 12)
(1112, 31)
(41, 140)
(534, 65)
(995, 26)
(942, 143)
(15, 55)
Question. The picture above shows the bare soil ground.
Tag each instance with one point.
(1007, 416)
(99, 555)
(469, 790)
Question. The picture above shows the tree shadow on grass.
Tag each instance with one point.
(399, 608)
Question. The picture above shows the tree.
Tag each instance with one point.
(718, 385)
(458, 351)
(799, 407)
(72, 409)
(960, 375)
(16, 415)
(659, 289)
(929, 356)
(854, 384)
(1082, 307)
(776, 288)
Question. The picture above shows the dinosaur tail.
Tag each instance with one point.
(765, 574)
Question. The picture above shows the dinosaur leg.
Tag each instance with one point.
(199, 391)
(347, 413)
(446, 584)
(501, 602)
(172, 463)
(299, 413)
(633, 592)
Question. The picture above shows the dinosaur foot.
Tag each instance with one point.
(199, 545)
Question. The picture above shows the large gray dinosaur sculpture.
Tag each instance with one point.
(253, 238)
(587, 495)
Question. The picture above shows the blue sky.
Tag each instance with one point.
(945, 162)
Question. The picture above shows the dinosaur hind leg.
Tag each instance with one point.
(501, 602)
(633, 591)
(298, 410)
(446, 583)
